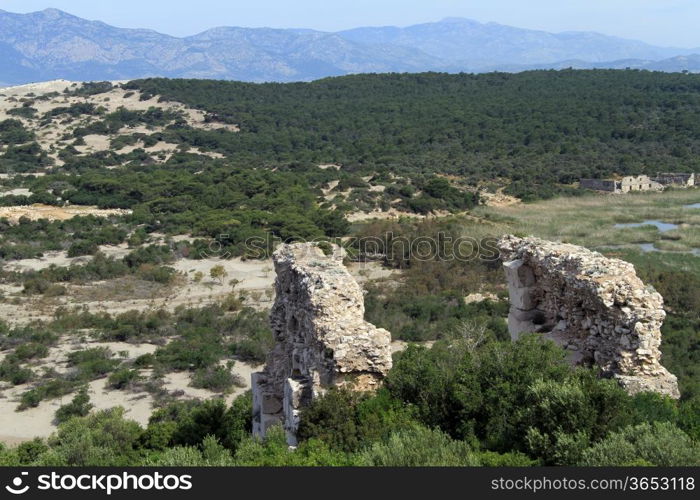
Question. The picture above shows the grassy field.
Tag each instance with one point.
(590, 220)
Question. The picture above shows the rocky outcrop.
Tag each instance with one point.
(322, 338)
(594, 306)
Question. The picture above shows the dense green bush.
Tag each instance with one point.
(31, 350)
(11, 371)
(92, 363)
(46, 390)
(217, 379)
(659, 443)
(79, 406)
(274, 452)
(188, 423)
(13, 132)
(347, 421)
(104, 438)
(123, 378)
(419, 447)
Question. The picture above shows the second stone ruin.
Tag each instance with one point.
(594, 306)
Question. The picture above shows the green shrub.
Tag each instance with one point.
(82, 247)
(101, 439)
(347, 420)
(31, 350)
(419, 447)
(159, 274)
(47, 390)
(187, 423)
(198, 348)
(659, 443)
(92, 363)
(144, 361)
(30, 451)
(217, 379)
(212, 454)
(122, 379)
(561, 418)
(35, 286)
(79, 406)
(11, 371)
(273, 451)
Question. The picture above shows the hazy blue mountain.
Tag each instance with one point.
(11, 65)
(689, 63)
(678, 64)
(477, 45)
(53, 44)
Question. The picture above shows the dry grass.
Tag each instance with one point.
(590, 220)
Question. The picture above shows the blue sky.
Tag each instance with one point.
(661, 22)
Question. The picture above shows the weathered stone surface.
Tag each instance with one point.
(594, 306)
(623, 185)
(322, 338)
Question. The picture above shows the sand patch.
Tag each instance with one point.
(57, 133)
(392, 213)
(49, 259)
(94, 143)
(498, 199)
(16, 192)
(39, 211)
(17, 427)
(180, 381)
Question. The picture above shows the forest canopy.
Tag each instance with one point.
(535, 128)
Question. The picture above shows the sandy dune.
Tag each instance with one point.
(16, 427)
(56, 134)
(38, 211)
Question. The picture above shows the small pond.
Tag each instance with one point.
(661, 226)
(692, 205)
(647, 247)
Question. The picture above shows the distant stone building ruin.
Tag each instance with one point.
(675, 180)
(322, 339)
(625, 185)
(639, 183)
(594, 306)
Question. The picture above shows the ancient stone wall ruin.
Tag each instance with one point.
(623, 185)
(639, 183)
(594, 306)
(322, 338)
(676, 180)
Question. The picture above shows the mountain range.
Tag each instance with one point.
(53, 44)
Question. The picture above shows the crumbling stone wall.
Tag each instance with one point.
(594, 306)
(322, 338)
(672, 179)
(624, 185)
(639, 183)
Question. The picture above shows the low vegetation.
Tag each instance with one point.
(453, 404)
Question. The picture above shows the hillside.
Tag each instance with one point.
(137, 221)
(536, 132)
(538, 129)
